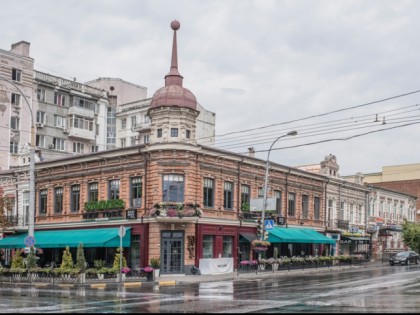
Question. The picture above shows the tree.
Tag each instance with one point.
(116, 265)
(80, 258)
(411, 235)
(67, 261)
(17, 261)
(31, 259)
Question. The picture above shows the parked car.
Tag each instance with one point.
(404, 258)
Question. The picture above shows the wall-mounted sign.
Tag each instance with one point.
(104, 205)
(281, 220)
(131, 214)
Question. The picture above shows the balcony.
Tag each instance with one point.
(175, 212)
(81, 111)
(343, 224)
(80, 133)
(140, 127)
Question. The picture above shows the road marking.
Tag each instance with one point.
(98, 285)
(163, 283)
(132, 284)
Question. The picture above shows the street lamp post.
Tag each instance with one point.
(31, 217)
(290, 133)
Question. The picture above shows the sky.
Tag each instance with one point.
(343, 74)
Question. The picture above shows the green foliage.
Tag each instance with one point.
(17, 261)
(31, 259)
(411, 235)
(155, 262)
(80, 258)
(67, 261)
(245, 207)
(66, 271)
(98, 264)
(116, 265)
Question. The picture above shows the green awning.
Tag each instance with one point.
(101, 237)
(292, 235)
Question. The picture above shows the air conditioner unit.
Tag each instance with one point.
(39, 125)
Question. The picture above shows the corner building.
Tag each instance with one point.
(180, 201)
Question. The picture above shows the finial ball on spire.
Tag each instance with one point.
(175, 25)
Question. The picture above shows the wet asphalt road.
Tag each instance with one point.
(383, 289)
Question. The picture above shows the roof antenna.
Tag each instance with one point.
(383, 121)
(376, 119)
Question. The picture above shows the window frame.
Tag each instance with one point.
(228, 195)
(208, 192)
(75, 198)
(291, 199)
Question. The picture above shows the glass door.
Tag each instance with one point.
(172, 252)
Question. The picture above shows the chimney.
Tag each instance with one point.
(21, 48)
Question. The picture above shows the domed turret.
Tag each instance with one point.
(173, 94)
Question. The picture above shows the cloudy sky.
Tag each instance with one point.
(343, 74)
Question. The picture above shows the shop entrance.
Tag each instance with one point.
(172, 252)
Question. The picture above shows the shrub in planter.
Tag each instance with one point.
(92, 271)
(17, 270)
(17, 261)
(80, 258)
(155, 262)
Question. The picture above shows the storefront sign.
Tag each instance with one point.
(104, 205)
(131, 214)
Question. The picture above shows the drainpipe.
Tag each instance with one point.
(326, 204)
(287, 195)
(146, 162)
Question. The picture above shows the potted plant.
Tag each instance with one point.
(100, 267)
(260, 245)
(155, 264)
(149, 273)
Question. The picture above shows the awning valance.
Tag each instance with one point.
(293, 235)
(101, 237)
(248, 236)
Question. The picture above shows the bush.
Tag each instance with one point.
(67, 261)
(17, 261)
(116, 265)
(155, 262)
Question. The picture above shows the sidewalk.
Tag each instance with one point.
(184, 279)
(172, 280)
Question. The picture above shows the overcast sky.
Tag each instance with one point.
(284, 64)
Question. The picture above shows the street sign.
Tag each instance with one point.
(268, 225)
(121, 231)
(281, 220)
(29, 241)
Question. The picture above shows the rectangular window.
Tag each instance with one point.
(58, 200)
(159, 133)
(133, 121)
(14, 123)
(75, 198)
(228, 195)
(40, 141)
(173, 188)
(245, 198)
(94, 148)
(208, 243)
(174, 132)
(146, 139)
(93, 192)
(351, 213)
(136, 191)
(14, 147)
(292, 204)
(59, 99)
(16, 75)
(187, 134)
(58, 144)
(277, 195)
(305, 206)
(227, 247)
(59, 121)
(317, 208)
(40, 95)
(43, 201)
(78, 147)
(123, 123)
(341, 213)
(260, 192)
(359, 211)
(208, 191)
(40, 117)
(25, 205)
(123, 142)
(114, 189)
(15, 100)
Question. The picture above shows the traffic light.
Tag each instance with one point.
(259, 227)
(265, 235)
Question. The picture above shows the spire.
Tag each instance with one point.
(173, 77)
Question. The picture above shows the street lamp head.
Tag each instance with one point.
(292, 133)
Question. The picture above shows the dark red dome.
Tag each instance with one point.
(174, 95)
